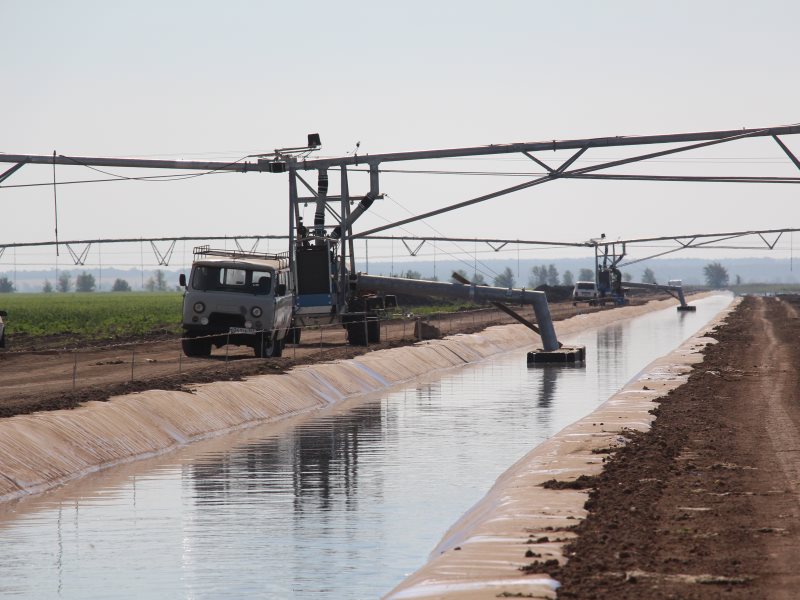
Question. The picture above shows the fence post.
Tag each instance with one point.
(227, 345)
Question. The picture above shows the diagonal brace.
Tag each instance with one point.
(772, 245)
(416, 250)
(538, 162)
(787, 151)
(79, 258)
(11, 171)
(495, 247)
(163, 258)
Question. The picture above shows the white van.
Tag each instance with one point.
(584, 291)
(241, 298)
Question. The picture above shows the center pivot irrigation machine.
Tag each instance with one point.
(316, 281)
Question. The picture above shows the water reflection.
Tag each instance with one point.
(320, 459)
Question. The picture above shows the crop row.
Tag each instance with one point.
(94, 315)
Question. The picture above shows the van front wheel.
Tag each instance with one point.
(196, 346)
(269, 346)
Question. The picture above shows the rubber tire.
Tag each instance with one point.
(196, 347)
(356, 334)
(271, 347)
(374, 331)
(293, 335)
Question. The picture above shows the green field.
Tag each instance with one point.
(93, 315)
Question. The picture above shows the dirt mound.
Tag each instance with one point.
(705, 505)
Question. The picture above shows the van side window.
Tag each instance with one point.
(261, 282)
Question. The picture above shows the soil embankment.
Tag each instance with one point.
(707, 503)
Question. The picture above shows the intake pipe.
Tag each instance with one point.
(462, 291)
(676, 291)
(359, 210)
(319, 214)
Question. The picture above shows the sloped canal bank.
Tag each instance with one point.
(706, 505)
(339, 504)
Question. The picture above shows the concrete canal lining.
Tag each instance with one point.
(46, 449)
(481, 555)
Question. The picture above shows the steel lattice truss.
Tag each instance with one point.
(295, 160)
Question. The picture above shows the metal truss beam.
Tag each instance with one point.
(575, 144)
(717, 238)
(497, 244)
(589, 172)
(376, 159)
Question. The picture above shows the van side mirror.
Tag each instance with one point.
(182, 280)
(280, 289)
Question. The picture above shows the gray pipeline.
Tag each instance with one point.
(470, 292)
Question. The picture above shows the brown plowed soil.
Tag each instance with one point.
(36, 376)
(707, 503)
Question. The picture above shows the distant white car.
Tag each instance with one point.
(584, 291)
(2, 329)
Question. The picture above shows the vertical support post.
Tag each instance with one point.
(596, 267)
(292, 205)
(344, 207)
(227, 346)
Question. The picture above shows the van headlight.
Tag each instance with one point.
(256, 311)
(199, 307)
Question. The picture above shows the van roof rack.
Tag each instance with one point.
(208, 251)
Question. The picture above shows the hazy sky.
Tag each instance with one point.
(222, 80)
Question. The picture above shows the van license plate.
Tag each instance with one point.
(244, 330)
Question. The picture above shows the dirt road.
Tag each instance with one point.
(707, 503)
(32, 380)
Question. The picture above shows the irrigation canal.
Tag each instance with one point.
(339, 504)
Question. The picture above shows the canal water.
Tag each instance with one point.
(340, 504)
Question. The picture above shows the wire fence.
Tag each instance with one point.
(70, 369)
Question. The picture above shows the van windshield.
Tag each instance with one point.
(231, 279)
(585, 286)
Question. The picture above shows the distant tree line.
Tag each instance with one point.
(85, 282)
